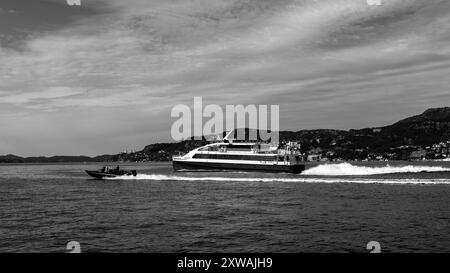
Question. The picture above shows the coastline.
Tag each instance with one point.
(307, 163)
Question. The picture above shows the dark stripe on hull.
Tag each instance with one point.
(210, 166)
(99, 175)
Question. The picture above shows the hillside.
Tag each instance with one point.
(53, 159)
(396, 141)
(425, 134)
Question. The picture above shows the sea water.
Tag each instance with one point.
(337, 207)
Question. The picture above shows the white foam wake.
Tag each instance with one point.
(347, 169)
(162, 177)
(444, 160)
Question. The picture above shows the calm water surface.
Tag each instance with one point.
(42, 207)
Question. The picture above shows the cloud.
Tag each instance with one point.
(30, 97)
(328, 63)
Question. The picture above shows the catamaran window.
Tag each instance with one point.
(239, 147)
(237, 157)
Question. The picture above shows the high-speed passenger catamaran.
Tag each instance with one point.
(244, 156)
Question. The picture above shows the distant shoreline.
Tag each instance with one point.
(164, 162)
(425, 136)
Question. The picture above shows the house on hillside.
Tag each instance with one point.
(314, 157)
(418, 155)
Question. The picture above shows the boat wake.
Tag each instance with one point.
(163, 177)
(347, 169)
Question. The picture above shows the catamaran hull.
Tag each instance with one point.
(214, 166)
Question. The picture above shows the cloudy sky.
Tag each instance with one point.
(104, 76)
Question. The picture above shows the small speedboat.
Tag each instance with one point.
(108, 172)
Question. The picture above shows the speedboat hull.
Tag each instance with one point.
(103, 175)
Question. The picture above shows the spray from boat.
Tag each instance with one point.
(300, 179)
(347, 169)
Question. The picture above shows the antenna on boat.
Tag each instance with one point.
(225, 139)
